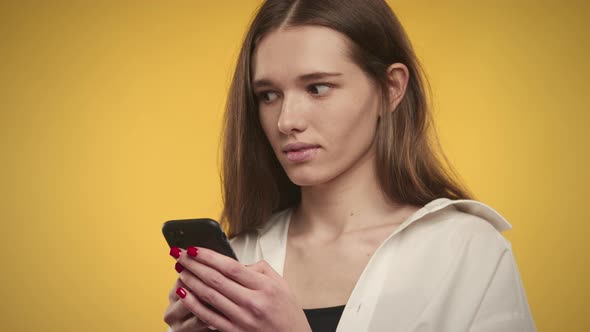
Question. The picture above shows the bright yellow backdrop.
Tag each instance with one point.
(109, 125)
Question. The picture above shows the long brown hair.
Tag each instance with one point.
(409, 159)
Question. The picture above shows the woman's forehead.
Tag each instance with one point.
(295, 51)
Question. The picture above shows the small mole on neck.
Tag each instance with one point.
(352, 214)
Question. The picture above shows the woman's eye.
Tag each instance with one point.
(264, 96)
(319, 89)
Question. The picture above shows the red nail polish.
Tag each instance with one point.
(181, 292)
(192, 251)
(178, 267)
(175, 252)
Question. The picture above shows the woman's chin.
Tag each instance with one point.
(306, 180)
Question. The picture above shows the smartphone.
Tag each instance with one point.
(203, 232)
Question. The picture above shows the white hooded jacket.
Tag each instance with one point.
(447, 268)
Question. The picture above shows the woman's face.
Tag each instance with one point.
(333, 114)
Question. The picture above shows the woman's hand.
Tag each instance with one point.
(249, 298)
(178, 317)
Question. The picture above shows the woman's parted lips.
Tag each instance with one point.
(298, 146)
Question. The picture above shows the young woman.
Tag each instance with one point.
(337, 204)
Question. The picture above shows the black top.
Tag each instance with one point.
(324, 319)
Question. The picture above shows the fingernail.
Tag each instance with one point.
(178, 267)
(211, 328)
(175, 252)
(181, 292)
(192, 251)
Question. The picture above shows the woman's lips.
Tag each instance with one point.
(298, 156)
(298, 152)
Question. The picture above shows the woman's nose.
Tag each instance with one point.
(292, 117)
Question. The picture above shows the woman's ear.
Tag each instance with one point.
(397, 81)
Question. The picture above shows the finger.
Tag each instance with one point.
(172, 296)
(210, 295)
(191, 325)
(176, 312)
(264, 268)
(206, 316)
(227, 266)
(234, 291)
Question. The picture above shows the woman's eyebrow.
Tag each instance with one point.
(264, 82)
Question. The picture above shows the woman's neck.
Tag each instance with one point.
(350, 202)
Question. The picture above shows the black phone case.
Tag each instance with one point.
(201, 232)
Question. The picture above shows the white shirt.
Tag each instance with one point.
(446, 268)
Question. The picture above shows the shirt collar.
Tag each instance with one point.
(273, 234)
(469, 206)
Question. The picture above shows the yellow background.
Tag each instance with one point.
(110, 114)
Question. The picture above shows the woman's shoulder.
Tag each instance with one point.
(457, 247)
(246, 244)
(451, 238)
(463, 221)
(242, 241)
